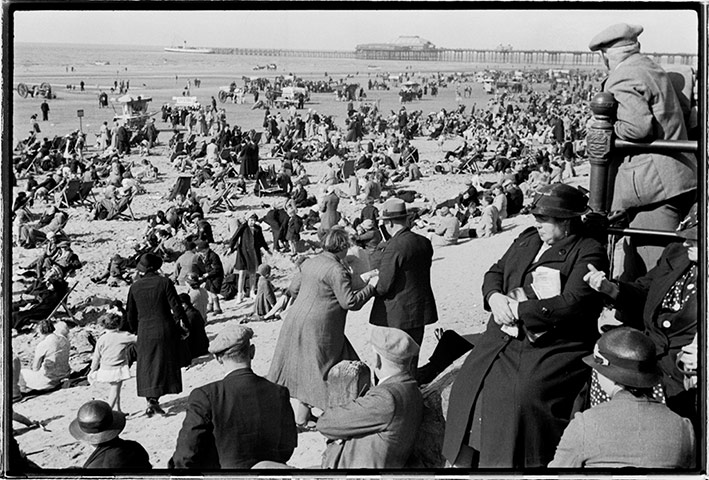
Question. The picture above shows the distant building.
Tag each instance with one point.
(403, 48)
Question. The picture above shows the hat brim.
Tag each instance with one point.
(689, 234)
(386, 216)
(628, 378)
(558, 212)
(117, 426)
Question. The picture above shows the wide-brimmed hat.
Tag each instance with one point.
(393, 208)
(559, 200)
(689, 227)
(626, 356)
(394, 344)
(149, 262)
(615, 36)
(96, 423)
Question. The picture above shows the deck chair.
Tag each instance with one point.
(85, 191)
(64, 305)
(182, 186)
(264, 184)
(70, 193)
(347, 169)
(223, 201)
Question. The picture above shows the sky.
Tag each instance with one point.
(666, 31)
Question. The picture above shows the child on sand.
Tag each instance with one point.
(490, 219)
(265, 296)
(110, 360)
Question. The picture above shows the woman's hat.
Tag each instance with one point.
(393, 208)
(264, 269)
(149, 262)
(559, 200)
(96, 423)
(626, 356)
(689, 226)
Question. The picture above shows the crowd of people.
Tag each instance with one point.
(542, 386)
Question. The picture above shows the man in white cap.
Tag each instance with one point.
(239, 421)
(378, 430)
(655, 189)
(404, 297)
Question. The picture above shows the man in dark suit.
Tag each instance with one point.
(404, 298)
(379, 429)
(239, 421)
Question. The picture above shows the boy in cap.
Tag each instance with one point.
(632, 429)
(97, 424)
(655, 189)
(378, 430)
(238, 421)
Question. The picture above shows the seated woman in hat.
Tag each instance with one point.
(514, 394)
(631, 429)
(98, 425)
(663, 304)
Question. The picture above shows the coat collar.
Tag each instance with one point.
(556, 253)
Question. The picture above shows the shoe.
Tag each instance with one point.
(217, 312)
(149, 412)
(159, 410)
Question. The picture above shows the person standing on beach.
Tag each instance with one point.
(404, 298)
(45, 110)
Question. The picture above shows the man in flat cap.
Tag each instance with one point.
(378, 430)
(655, 189)
(404, 297)
(238, 421)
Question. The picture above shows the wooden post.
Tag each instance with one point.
(598, 148)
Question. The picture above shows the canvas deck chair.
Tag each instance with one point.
(470, 164)
(126, 212)
(182, 186)
(69, 194)
(347, 169)
(223, 201)
(86, 191)
(64, 305)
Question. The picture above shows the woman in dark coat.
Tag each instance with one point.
(663, 304)
(249, 157)
(312, 339)
(156, 315)
(247, 242)
(514, 394)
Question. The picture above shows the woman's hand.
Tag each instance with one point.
(501, 306)
(597, 280)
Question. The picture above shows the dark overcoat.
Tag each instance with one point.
(404, 297)
(235, 423)
(518, 395)
(154, 309)
(119, 454)
(247, 244)
(312, 339)
(670, 331)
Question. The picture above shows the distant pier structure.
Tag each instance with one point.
(417, 49)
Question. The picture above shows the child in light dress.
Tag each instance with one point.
(110, 361)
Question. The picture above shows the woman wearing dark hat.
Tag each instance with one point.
(663, 304)
(312, 339)
(514, 394)
(247, 243)
(156, 315)
(632, 429)
(97, 424)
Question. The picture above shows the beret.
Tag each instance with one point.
(394, 344)
(230, 337)
(615, 36)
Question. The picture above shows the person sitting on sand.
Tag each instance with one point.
(51, 361)
(98, 425)
(265, 294)
(448, 230)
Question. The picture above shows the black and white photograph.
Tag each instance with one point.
(311, 239)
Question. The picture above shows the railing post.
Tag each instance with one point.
(599, 140)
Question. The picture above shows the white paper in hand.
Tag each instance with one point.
(546, 282)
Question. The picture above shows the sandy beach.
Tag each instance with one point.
(456, 273)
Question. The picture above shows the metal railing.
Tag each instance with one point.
(602, 147)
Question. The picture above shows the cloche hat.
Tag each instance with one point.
(96, 423)
(559, 200)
